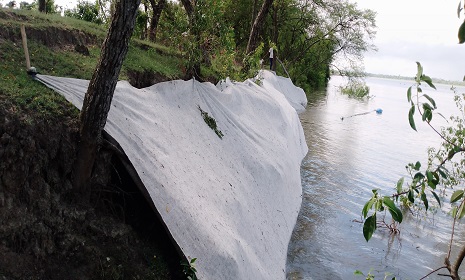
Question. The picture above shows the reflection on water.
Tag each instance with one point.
(346, 160)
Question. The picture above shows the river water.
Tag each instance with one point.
(346, 160)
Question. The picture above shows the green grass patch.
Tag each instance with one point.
(23, 92)
(38, 20)
(149, 59)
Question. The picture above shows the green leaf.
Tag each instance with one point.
(429, 175)
(410, 118)
(419, 176)
(395, 212)
(425, 200)
(433, 183)
(431, 100)
(443, 115)
(358, 272)
(427, 115)
(417, 166)
(367, 207)
(462, 33)
(410, 196)
(426, 106)
(419, 72)
(437, 198)
(409, 94)
(432, 179)
(369, 227)
(427, 80)
(400, 183)
(443, 174)
(456, 196)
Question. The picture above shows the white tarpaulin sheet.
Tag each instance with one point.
(232, 203)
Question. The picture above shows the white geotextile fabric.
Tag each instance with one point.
(232, 203)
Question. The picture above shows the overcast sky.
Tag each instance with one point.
(416, 30)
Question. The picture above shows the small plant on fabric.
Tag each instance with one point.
(211, 122)
(188, 268)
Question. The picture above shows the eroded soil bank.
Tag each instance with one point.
(49, 232)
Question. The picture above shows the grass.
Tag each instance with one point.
(25, 94)
(41, 20)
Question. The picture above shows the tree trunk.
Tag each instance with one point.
(257, 26)
(189, 7)
(156, 13)
(254, 12)
(275, 25)
(42, 6)
(99, 94)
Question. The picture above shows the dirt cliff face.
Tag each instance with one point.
(48, 232)
(51, 36)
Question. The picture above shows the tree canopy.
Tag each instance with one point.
(225, 36)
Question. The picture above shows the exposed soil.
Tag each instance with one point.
(51, 36)
(144, 79)
(47, 232)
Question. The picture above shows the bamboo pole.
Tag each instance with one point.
(26, 51)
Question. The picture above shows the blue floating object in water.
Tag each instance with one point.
(379, 111)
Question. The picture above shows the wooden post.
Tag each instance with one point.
(26, 51)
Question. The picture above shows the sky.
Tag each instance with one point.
(416, 30)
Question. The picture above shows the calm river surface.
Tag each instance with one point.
(346, 160)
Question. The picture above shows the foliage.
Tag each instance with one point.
(86, 11)
(252, 63)
(315, 34)
(356, 88)
(211, 122)
(172, 18)
(24, 93)
(148, 58)
(141, 24)
(210, 38)
(188, 268)
(27, 6)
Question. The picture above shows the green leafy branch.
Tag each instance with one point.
(188, 268)
(211, 122)
(422, 183)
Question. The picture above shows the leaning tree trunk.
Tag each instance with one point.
(101, 88)
(42, 6)
(156, 13)
(257, 26)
